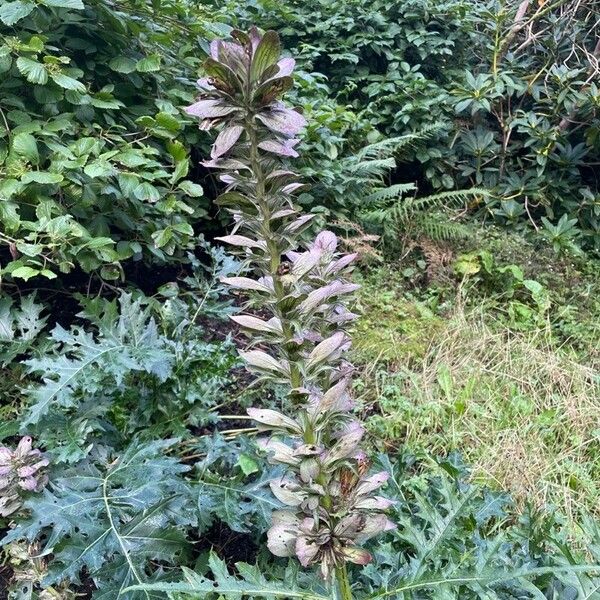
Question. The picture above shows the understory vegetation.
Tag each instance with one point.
(299, 300)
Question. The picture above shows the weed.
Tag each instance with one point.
(520, 406)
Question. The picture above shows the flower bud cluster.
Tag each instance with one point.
(331, 507)
(21, 471)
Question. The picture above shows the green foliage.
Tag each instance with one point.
(413, 217)
(234, 485)
(113, 516)
(526, 301)
(516, 104)
(132, 365)
(420, 113)
(452, 542)
(253, 585)
(19, 327)
(94, 150)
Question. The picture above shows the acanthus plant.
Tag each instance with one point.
(331, 506)
(22, 470)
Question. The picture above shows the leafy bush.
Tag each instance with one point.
(111, 515)
(453, 543)
(516, 105)
(94, 150)
(129, 373)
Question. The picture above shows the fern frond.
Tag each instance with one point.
(389, 193)
(372, 168)
(439, 228)
(387, 146)
(395, 144)
(442, 199)
(415, 214)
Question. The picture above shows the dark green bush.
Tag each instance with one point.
(513, 95)
(95, 161)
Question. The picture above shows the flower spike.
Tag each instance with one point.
(298, 339)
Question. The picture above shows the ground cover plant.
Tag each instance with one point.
(179, 418)
(513, 387)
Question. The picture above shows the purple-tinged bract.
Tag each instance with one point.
(301, 292)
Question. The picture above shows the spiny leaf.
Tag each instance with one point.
(252, 585)
(112, 516)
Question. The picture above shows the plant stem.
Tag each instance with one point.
(272, 248)
(343, 583)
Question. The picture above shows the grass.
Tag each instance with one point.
(521, 407)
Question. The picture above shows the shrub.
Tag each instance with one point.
(94, 150)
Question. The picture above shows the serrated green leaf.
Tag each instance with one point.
(128, 183)
(130, 343)
(34, 71)
(113, 517)
(25, 145)
(29, 249)
(13, 12)
(252, 585)
(5, 62)
(68, 83)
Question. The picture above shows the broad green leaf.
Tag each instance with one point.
(68, 83)
(5, 62)
(247, 464)
(149, 64)
(184, 228)
(12, 12)
(76, 4)
(99, 168)
(25, 145)
(128, 183)
(41, 177)
(177, 150)
(168, 121)
(467, 264)
(146, 191)
(191, 189)
(29, 249)
(9, 215)
(25, 273)
(162, 237)
(122, 64)
(34, 71)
